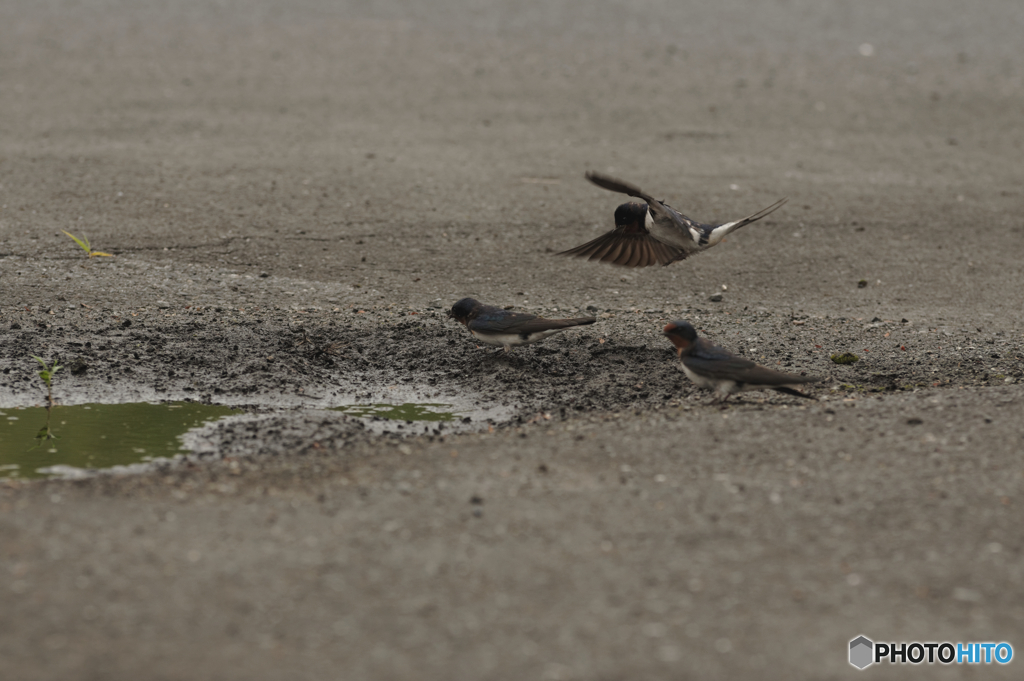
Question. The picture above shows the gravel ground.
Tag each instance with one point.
(295, 195)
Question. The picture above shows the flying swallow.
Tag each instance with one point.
(715, 368)
(495, 326)
(653, 233)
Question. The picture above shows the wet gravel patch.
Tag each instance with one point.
(295, 433)
(285, 366)
(319, 356)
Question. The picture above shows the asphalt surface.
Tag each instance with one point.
(294, 195)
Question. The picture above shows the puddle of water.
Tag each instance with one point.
(404, 411)
(410, 411)
(96, 435)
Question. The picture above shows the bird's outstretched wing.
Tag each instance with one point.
(669, 225)
(659, 211)
(614, 184)
(627, 246)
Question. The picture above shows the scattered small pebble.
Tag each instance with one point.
(845, 358)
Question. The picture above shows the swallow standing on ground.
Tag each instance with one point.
(495, 326)
(715, 368)
(654, 233)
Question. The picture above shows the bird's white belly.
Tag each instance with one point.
(512, 339)
(726, 387)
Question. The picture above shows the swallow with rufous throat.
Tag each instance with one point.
(496, 326)
(653, 233)
(715, 368)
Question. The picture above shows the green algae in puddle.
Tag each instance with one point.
(410, 411)
(97, 435)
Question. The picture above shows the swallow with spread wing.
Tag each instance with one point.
(495, 326)
(653, 233)
(715, 368)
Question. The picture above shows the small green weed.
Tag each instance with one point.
(45, 433)
(47, 375)
(84, 244)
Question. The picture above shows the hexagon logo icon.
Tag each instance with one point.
(861, 649)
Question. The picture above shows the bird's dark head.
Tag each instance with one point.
(462, 310)
(632, 215)
(682, 334)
